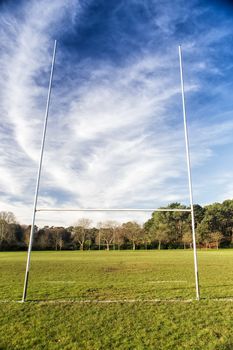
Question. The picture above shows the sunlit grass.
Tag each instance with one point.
(117, 275)
(94, 275)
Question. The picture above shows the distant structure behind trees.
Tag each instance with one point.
(164, 230)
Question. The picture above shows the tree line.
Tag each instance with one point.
(164, 230)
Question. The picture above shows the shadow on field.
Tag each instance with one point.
(217, 286)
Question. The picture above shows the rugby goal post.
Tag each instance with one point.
(35, 209)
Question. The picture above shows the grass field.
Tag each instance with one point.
(54, 318)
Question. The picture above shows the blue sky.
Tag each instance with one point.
(115, 134)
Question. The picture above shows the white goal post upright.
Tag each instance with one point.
(189, 176)
(35, 209)
(39, 174)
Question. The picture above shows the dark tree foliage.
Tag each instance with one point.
(214, 228)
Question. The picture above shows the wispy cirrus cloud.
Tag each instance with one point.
(115, 133)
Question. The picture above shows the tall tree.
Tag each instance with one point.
(176, 222)
(199, 213)
(145, 238)
(160, 233)
(57, 237)
(187, 237)
(119, 237)
(203, 233)
(107, 232)
(43, 238)
(133, 232)
(7, 232)
(216, 237)
(80, 231)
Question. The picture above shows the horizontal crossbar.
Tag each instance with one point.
(112, 209)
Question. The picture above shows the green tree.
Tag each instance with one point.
(187, 237)
(160, 233)
(216, 237)
(203, 233)
(175, 222)
(145, 238)
(133, 232)
(199, 213)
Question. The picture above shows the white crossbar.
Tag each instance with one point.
(113, 209)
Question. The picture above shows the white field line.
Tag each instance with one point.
(115, 301)
(68, 282)
(73, 282)
(96, 301)
(146, 282)
(173, 281)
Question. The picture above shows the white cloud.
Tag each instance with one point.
(114, 140)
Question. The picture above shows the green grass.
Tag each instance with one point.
(142, 275)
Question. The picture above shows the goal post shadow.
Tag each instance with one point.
(35, 209)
